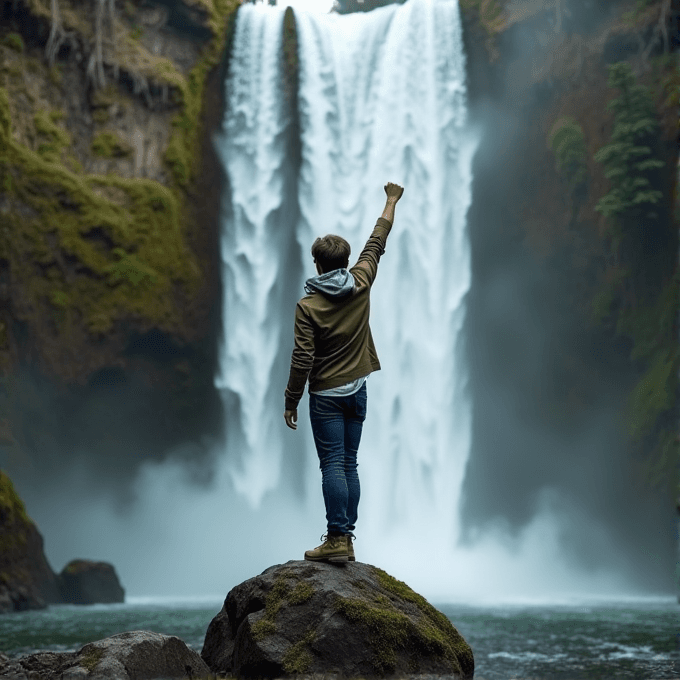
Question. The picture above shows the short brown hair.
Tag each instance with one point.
(331, 252)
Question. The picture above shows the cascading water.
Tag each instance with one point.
(381, 98)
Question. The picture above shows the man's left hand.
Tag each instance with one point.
(291, 419)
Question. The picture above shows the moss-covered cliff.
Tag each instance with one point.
(575, 184)
(26, 579)
(109, 198)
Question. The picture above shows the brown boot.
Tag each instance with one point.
(350, 549)
(333, 549)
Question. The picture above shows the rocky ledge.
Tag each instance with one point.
(352, 620)
(136, 655)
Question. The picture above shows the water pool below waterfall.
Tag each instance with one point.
(634, 639)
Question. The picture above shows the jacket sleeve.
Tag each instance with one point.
(302, 360)
(374, 248)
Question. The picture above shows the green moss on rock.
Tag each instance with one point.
(14, 41)
(15, 524)
(389, 629)
(182, 152)
(52, 138)
(90, 657)
(124, 235)
(298, 658)
(12, 507)
(280, 593)
(109, 145)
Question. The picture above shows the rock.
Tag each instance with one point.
(88, 582)
(136, 655)
(26, 578)
(354, 620)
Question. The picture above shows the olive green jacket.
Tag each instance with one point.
(333, 341)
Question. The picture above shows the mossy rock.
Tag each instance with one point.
(109, 145)
(12, 508)
(26, 579)
(133, 654)
(315, 618)
(14, 41)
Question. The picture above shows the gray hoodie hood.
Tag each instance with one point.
(337, 284)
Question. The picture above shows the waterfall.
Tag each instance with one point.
(382, 97)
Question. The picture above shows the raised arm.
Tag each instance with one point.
(367, 265)
(394, 192)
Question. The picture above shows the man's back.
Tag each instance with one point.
(333, 340)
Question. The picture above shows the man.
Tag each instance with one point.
(334, 349)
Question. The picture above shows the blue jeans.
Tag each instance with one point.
(336, 426)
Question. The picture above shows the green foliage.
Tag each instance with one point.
(60, 299)
(110, 145)
(568, 143)
(651, 328)
(14, 41)
(129, 269)
(628, 158)
(5, 116)
(52, 138)
(653, 395)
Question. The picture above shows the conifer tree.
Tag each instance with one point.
(628, 158)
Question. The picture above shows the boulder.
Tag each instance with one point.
(26, 578)
(351, 620)
(88, 582)
(136, 655)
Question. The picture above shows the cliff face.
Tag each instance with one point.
(109, 276)
(577, 356)
(26, 579)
